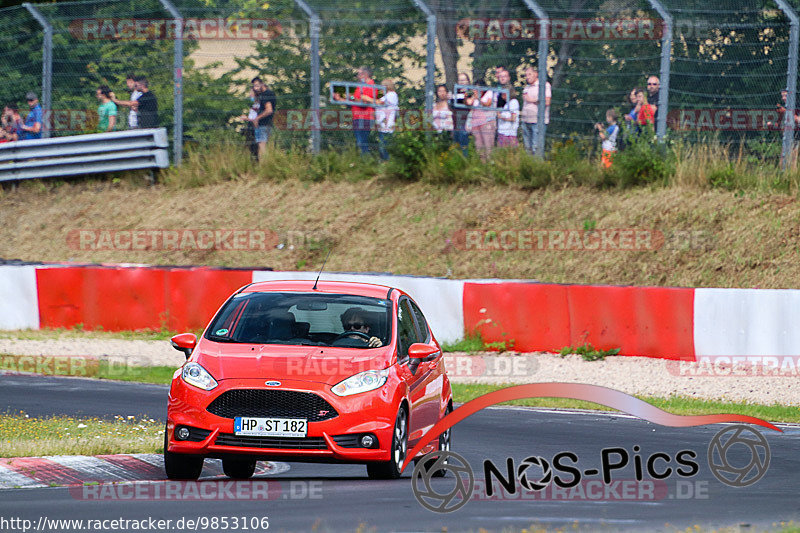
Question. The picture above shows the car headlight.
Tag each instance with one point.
(196, 375)
(363, 382)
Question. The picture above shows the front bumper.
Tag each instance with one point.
(371, 412)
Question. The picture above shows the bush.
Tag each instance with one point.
(643, 161)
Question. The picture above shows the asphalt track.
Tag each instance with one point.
(342, 498)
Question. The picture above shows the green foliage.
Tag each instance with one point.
(589, 352)
(470, 343)
(643, 161)
(408, 155)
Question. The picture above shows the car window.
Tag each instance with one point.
(406, 332)
(424, 332)
(313, 319)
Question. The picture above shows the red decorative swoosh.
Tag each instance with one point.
(579, 391)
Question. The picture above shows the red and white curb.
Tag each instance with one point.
(78, 470)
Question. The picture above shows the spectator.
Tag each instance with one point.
(442, 115)
(645, 112)
(12, 124)
(781, 107)
(504, 79)
(363, 116)
(508, 120)
(653, 91)
(106, 111)
(483, 123)
(250, 130)
(386, 117)
(262, 123)
(530, 108)
(608, 137)
(631, 117)
(460, 133)
(32, 127)
(133, 115)
(147, 105)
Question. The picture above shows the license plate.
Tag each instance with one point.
(270, 427)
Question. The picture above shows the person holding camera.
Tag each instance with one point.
(608, 136)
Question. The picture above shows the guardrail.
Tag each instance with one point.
(84, 154)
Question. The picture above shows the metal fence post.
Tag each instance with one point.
(666, 50)
(431, 55)
(47, 68)
(791, 82)
(544, 50)
(177, 90)
(314, 26)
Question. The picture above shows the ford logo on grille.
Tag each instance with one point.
(272, 383)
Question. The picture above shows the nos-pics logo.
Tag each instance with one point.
(534, 473)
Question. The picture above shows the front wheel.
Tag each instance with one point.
(392, 469)
(239, 468)
(181, 466)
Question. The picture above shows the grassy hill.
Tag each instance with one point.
(712, 236)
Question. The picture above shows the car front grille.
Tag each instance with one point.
(272, 403)
(304, 443)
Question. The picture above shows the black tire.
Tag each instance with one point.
(392, 469)
(239, 468)
(181, 466)
(445, 441)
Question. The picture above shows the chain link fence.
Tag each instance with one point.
(721, 66)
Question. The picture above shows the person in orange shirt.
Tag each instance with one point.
(363, 116)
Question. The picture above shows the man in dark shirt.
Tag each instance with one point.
(147, 105)
(262, 123)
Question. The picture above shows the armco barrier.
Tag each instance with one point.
(650, 321)
(84, 154)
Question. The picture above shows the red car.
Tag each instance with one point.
(296, 371)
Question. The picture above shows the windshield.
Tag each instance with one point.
(311, 319)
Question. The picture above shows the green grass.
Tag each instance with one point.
(87, 367)
(25, 436)
(677, 404)
(468, 344)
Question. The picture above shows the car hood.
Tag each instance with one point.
(308, 363)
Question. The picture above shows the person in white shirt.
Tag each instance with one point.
(508, 120)
(442, 115)
(385, 117)
(133, 114)
(530, 108)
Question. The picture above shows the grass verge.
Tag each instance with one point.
(25, 436)
(85, 367)
(80, 333)
(678, 405)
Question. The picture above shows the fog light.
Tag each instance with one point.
(367, 441)
(182, 433)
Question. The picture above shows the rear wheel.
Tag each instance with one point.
(392, 469)
(239, 468)
(445, 440)
(179, 465)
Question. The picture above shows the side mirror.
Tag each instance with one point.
(185, 342)
(421, 352)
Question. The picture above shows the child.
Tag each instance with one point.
(609, 137)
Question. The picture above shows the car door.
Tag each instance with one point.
(431, 371)
(416, 375)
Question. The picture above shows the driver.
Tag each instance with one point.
(354, 320)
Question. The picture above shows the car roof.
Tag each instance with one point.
(330, 287)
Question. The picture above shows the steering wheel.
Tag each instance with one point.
(363, 336)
